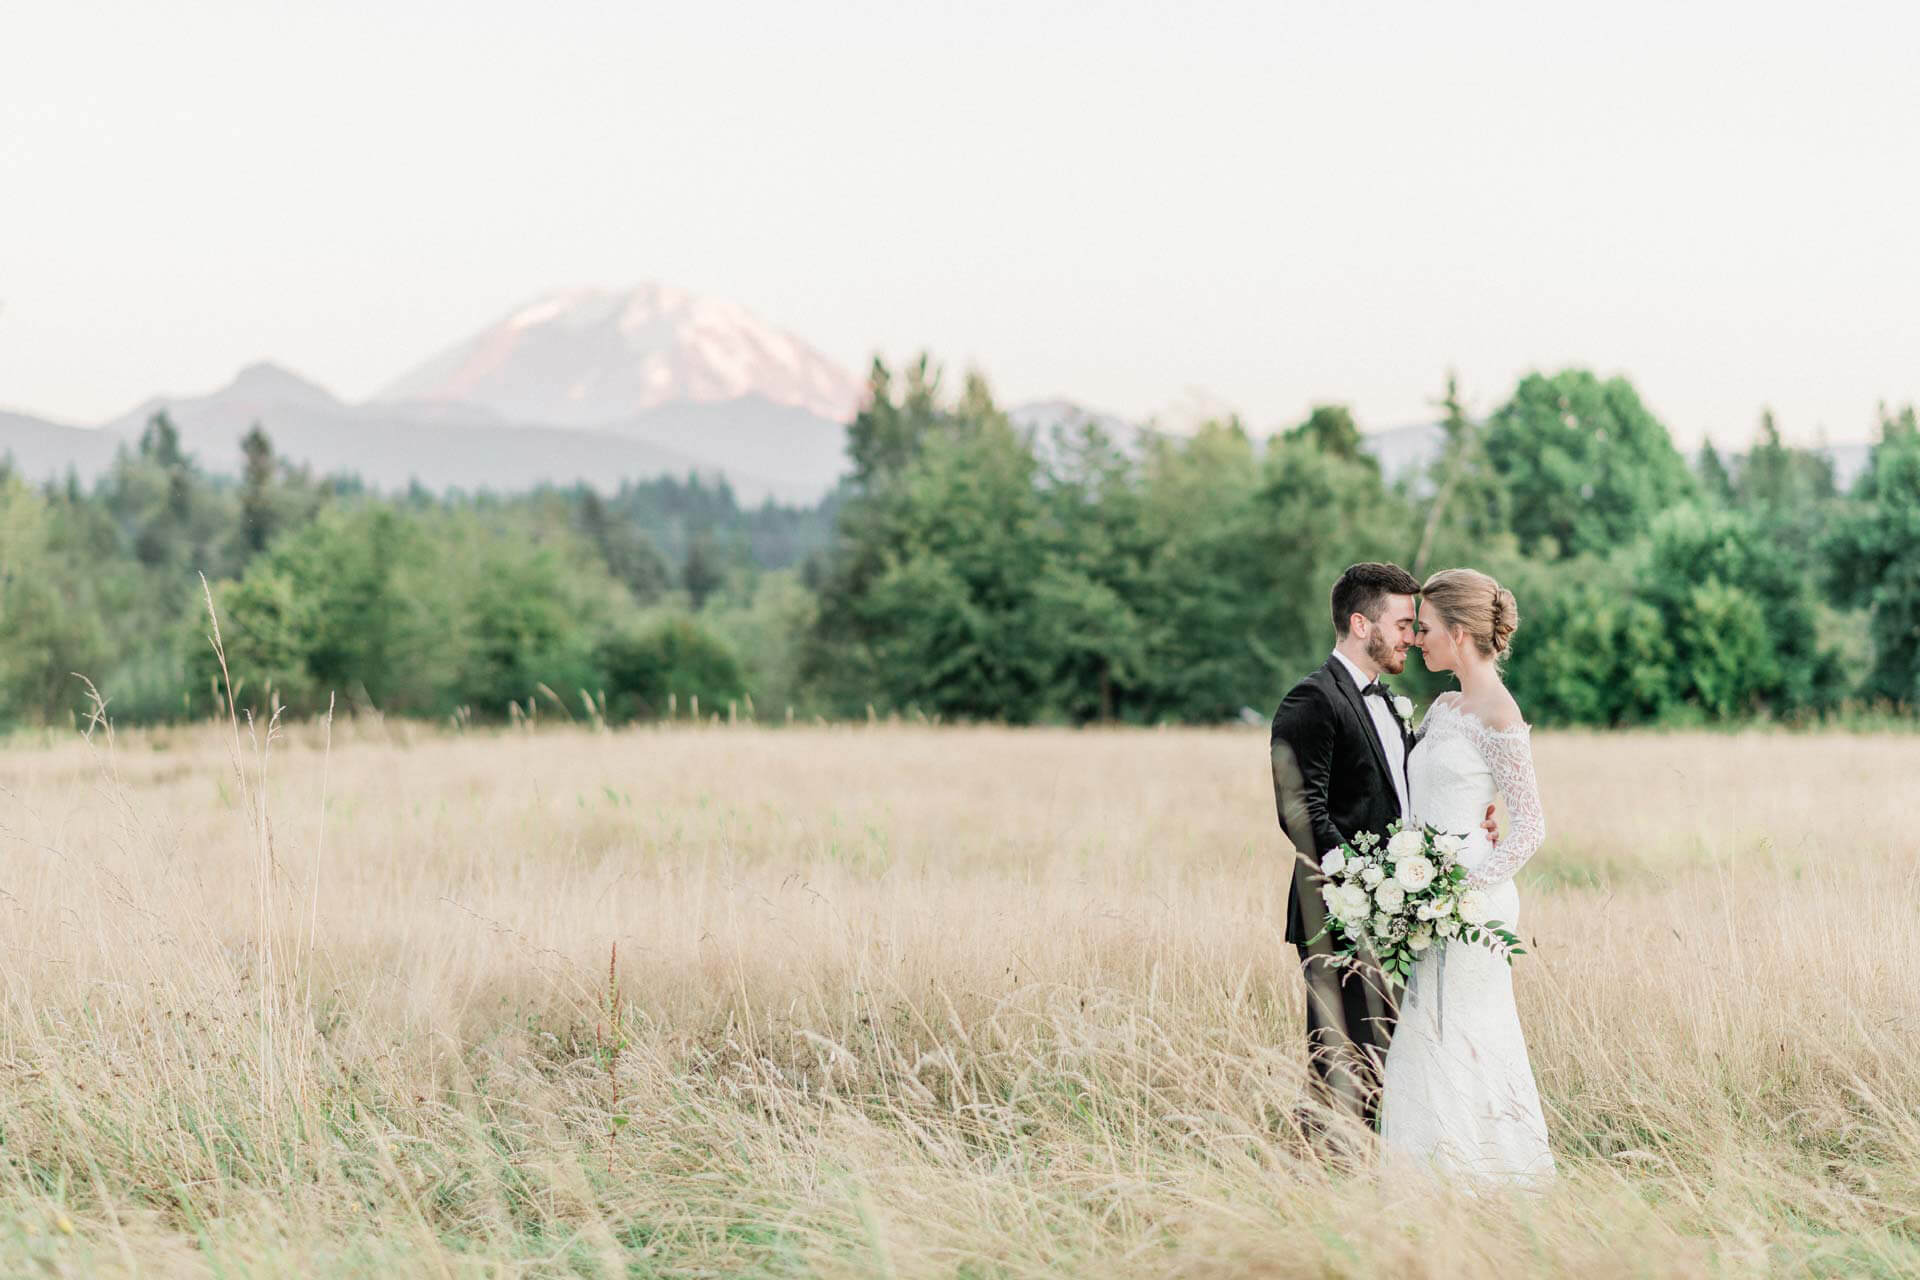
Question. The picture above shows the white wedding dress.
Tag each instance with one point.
(1458, 1095)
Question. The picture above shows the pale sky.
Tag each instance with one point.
(1280, 203)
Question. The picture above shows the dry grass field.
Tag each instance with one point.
(904, 1001)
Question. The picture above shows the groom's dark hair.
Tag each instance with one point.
(1364, 588)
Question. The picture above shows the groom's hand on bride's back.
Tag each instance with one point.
(1492, 827)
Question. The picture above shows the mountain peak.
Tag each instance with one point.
(592, 356)
(264, 380)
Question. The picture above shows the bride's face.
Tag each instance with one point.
(1439, 647)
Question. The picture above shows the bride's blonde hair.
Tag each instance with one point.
(1469, 599)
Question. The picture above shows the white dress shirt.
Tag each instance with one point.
(1387, 725)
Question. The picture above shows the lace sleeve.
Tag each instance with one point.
(1509, 754)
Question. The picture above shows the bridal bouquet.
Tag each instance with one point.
(1399, 896)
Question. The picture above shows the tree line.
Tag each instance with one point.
(968, 570)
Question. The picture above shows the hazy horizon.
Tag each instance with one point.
(1279, 205)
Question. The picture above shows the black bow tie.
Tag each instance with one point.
(1376, 690)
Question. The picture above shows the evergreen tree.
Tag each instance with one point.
(1778, 477)
(1874, 553)
(160, 441)
(1330, 429)
(256, 491)
(885, 436)
(704, 570)
(1468, 509)
(1716, 482)
(1095, 597)
(628, 553)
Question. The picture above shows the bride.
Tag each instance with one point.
(1458, 1094)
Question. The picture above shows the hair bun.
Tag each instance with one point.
(1506, 618)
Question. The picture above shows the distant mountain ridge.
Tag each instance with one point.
(45, 450)
(600, 386)
(390, 447)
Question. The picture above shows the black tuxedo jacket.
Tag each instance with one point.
(1330, 781)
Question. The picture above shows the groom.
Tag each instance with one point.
(1340, 744)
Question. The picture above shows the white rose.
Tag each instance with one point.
(1350, 903)
(1403, 706)
(1405, 844)
(1372, 875)
(1381, 924)
(1333, 862)
(1474, 907)
(1442, 908)
(1448, 928)
(1419, 940)
(1390, 896)
(1414, 874)
(1424, 911)
(1449, 844)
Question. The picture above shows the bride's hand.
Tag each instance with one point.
(1491, 827)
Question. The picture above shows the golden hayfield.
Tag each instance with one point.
(904, 1001)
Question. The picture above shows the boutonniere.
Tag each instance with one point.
(1403, 707)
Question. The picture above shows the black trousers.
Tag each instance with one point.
(1350, 1018)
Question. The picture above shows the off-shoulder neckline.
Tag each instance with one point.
(1512, 731)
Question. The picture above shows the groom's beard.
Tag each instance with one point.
(1385, 654)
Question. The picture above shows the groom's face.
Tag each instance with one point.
(1391, 635)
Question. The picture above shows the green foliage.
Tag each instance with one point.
(1776, 475)
(46, 630)
(1730, 655)
(885, 436)
(629, 554)
(1330, 429)
(1874, 548)
(1095, 598)
(531, 612)
(1589, 652)
(1716, 481)
(1468, 509)
(951, 614)
(1744, 620)
(704, 570)
(1248, 549)
(416, 613)
(974, 583)
(1585, 466)
(765, 620)
(1705, 618)
(675, 663)
(930, 599)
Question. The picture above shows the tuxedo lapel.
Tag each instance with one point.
(1344, 682)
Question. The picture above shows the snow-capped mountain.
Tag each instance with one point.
(590, 357)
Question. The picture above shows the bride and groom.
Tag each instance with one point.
(1440, 1067)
